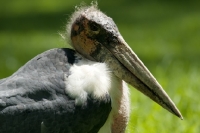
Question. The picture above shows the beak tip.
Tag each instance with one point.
(179, 115)
(174, 110)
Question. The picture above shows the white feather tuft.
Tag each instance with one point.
(88, 78)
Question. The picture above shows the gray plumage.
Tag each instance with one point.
(33, 99)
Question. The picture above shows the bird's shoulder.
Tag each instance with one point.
(53, 60)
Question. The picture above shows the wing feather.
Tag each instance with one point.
(33, 99)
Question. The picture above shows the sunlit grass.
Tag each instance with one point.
(165, 35)
(182, 85)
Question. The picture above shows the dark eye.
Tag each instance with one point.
(94, 27)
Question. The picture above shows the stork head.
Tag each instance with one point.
(95, 36)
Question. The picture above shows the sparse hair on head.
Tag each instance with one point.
(78, 10)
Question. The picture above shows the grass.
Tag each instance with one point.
(165, 35)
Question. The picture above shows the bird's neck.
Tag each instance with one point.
(119, 115)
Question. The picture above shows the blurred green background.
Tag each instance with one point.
(164, 34)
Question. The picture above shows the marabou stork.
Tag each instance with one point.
(82, 90)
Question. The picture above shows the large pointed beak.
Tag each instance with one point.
(126, 65)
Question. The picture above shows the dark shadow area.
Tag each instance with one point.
(130, 13)
(39, 22)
